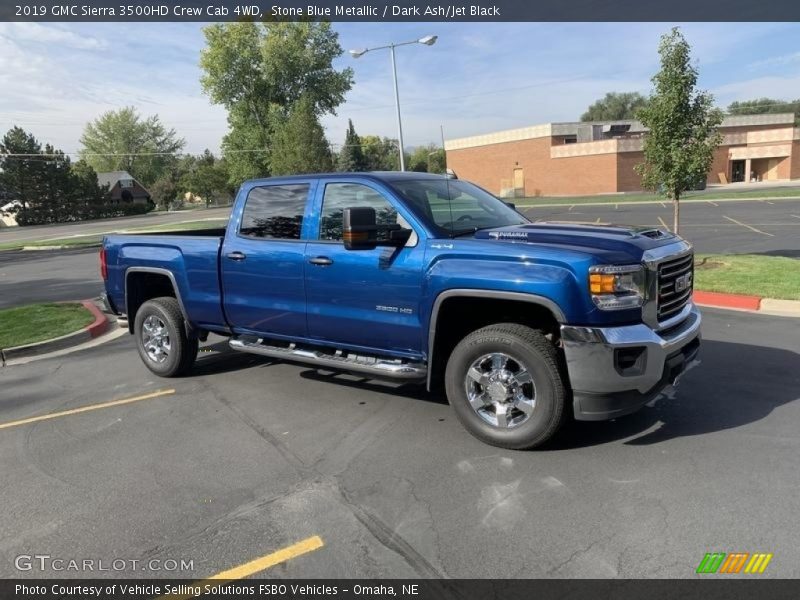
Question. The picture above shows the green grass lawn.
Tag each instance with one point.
(92, 240)
(651, 197)
(36, 322)
(765, 276)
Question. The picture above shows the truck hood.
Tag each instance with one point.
(592, 238)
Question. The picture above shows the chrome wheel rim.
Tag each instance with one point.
(500, 390)
(155, 339)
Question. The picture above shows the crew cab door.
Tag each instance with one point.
(363, 298)
(262, 260)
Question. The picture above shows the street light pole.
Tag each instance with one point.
(397, 108)
(428, 40)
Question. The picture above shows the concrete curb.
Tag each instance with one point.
(91, 331)
(767, 306)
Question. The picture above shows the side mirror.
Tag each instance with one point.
(360, 230)
(511, 205)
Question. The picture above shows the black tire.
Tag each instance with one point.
(529, 348)
(182, 346)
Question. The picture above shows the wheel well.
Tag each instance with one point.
(461, 315)
(142, 286)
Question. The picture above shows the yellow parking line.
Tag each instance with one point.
(83, 409)
(259, 564)
(270, 560)
(664, 225)
(749, 227)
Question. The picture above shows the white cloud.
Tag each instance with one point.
(50, 35)
(775, 61)
(781, 88)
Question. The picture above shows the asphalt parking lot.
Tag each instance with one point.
(727, 227)
(762, 227)
(247, 457)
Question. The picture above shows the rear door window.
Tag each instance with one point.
(275, 211)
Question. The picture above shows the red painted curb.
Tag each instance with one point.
(739, 301)
(100, 324)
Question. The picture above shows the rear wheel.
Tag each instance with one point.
(165, 346)
(506, 387)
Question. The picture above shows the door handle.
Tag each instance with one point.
(321, 261)
(236, 255)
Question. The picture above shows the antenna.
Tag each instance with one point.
(447, 181)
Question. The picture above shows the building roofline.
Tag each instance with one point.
(565, 128)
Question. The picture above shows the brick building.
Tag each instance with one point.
(123, 187)
(599, 157)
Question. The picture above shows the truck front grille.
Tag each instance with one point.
(675, 282)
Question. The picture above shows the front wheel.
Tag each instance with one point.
(164, 345)
(506, 387)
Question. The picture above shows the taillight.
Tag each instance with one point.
(103, 266)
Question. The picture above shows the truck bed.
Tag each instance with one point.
(189, 258)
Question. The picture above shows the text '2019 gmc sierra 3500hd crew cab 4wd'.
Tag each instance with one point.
(415, 277)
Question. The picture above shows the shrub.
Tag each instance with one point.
(82, 212)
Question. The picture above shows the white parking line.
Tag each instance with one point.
(663, 205)
(751, 228)
(796, 216)
(663, 224)
(571, 207)
(710, 202)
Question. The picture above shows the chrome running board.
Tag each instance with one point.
(338, 360)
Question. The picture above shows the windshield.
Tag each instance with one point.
(452, 207)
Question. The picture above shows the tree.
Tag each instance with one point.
(49, 187)
(682, 122)
(351, 156)
(380, 154)
(259, 72)
(615, 106)
(21, 166)
(207, 176)
(165, 190)
(762, 106)
(427, 159)
(85, 183)
(299, 144)
(121, 140)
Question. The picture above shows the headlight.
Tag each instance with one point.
(616, 287)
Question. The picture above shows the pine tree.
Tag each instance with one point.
(22, 166)
(351, 156)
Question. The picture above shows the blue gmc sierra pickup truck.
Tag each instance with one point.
(417, 277)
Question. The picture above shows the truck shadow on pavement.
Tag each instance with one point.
(735, 385)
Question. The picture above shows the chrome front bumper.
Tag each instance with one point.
(613, 371)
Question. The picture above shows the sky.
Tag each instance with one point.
(478, 77)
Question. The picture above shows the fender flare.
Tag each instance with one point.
(473, 293)
(157, 271)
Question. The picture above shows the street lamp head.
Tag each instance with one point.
(358, 52)
(428, 40)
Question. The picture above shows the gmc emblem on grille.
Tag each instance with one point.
(683, 282)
